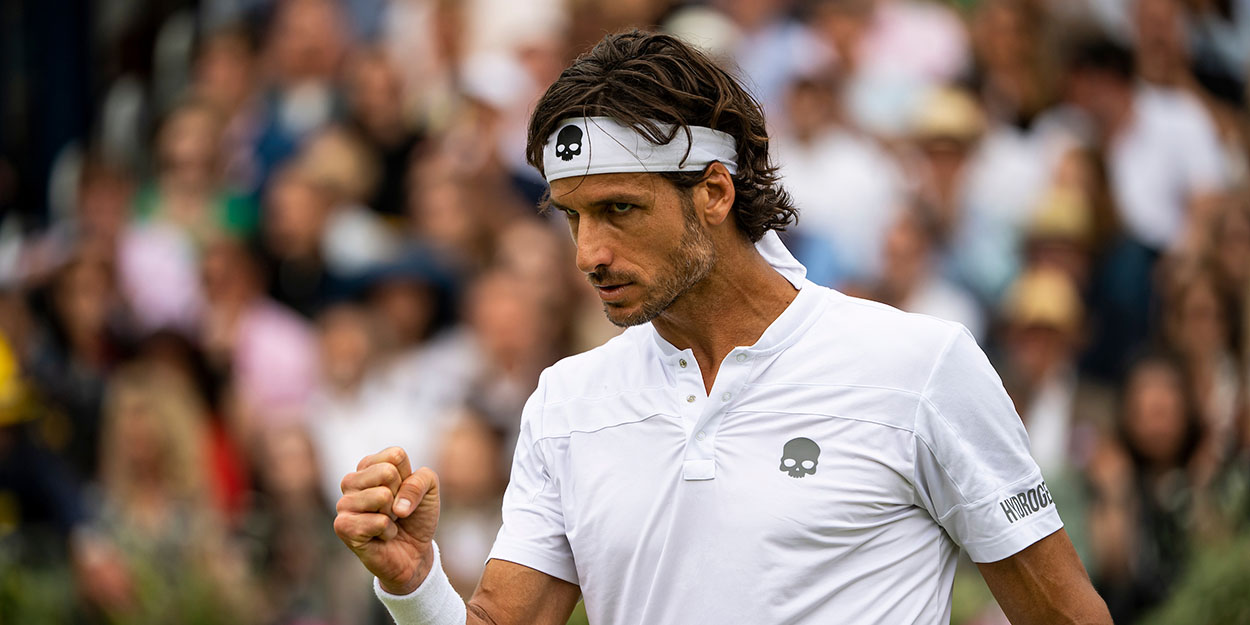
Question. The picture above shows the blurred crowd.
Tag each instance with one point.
(246, 243)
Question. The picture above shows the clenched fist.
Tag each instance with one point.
(387, 517)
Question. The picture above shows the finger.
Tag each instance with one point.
(422, 483)
(393, 455)
(370, 500)
(382, 474)
(357, 529)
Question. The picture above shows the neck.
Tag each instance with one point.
(731, 307)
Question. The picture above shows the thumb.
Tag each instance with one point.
(421, 484)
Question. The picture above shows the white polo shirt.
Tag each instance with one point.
(831, 475)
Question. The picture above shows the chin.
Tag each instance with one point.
(627, 316)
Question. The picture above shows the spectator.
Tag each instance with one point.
(891, 52)
(1198, 327)
(298, 209)
(368, 400)
(1014, 72)
(305, 581)
(69, 359)
(910, 280)
(1143, 492)
(226, 75)
(472, 474)
(266, 349)
(1163, 156)
(1043, 330)
(354, 238)
(849, 189)
(189, 190)
(305, 46)
(377, 113)
(170, 555)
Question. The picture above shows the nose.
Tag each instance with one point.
(594, 245)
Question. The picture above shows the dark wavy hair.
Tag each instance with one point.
(659, 86)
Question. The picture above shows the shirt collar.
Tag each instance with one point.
(790, 323)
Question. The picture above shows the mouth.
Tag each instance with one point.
(611, 292)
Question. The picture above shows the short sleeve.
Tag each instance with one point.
(973, 471)
(533, 533)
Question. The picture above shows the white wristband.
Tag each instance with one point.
(434, 602)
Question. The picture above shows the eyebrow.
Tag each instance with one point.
(610, 198)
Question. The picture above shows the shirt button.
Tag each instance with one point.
(690, 399)
(725, 396)
(701, 435)
(682, 362)
(741, 357)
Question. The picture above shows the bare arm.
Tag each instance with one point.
(510, 593)
(1045, 584)
(387, 517)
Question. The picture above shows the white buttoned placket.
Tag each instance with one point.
(702, 413)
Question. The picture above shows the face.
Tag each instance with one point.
(188, 143)
(1155, 411)
(1203, 327)
(346, 345)
(224, 72)
(1233, 247)
(295, 218)
(638, 240)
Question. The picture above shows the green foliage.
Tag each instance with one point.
(1214, 591)
(34, 594)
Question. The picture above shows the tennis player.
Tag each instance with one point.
(754, 448)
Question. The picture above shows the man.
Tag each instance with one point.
(826, 472)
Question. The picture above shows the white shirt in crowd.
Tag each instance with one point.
(1169, 152)
(848, 190)
(831, 475)
(408, 403)
(1001, 187)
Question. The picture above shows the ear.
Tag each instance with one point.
(714, 196)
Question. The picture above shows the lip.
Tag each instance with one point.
(612, 292)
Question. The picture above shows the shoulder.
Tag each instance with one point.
(624, 363)
(873, 327)
(860, 344)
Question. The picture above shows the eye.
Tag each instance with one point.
(619, 208)
(568, 212)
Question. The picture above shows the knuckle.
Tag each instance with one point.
(395, 454)
(342, 525)
(380, 497)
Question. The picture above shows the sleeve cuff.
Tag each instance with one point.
(537, 559)
(1017, 539)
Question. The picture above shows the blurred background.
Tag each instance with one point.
(245, 243)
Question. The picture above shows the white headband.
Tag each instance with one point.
(601, 145)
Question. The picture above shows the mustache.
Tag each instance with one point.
(601, 277)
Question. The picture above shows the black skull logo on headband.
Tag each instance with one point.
(569, 142)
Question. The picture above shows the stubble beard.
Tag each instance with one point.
(687, 266)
